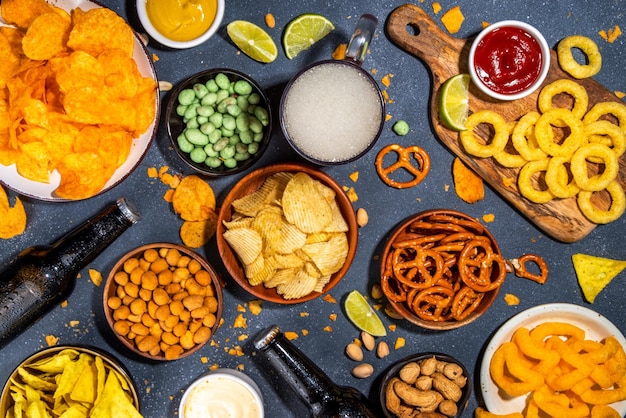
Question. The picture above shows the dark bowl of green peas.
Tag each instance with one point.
(219, 121)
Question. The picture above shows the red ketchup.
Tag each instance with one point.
(508, 60)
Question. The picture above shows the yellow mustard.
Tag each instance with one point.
(181, 20)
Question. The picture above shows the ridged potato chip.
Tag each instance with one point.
(270, 191)
(328, 256)
(305, 206)
(301, 285)
(246, 242)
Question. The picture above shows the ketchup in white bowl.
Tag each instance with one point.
(509, 60)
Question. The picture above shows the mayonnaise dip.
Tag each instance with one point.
(221, 395)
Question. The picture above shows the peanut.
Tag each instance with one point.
(414, 397)
(368, 341)
(448, 408)
(363, 370)
(429, 366)
(362, 218)
(354, 352)
(446, 387)
(409, 372)
(392, 400)
(424, 383)
(382, 350)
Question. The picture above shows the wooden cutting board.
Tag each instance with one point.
(415, 32)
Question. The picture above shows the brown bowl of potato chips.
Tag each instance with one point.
(163, 301)
(68, 378)
(287, 233)
(101, 107)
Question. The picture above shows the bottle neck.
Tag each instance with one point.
(311, 384)
(84, 243)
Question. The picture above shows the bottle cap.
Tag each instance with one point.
(265, 338)
(129, 210)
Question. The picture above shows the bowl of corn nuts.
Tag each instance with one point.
(163, 301)
(219, 121)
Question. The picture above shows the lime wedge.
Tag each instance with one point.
(454, 102)
(303, 31)
(362, 315)
(252, 40)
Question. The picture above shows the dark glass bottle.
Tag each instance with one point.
(41, 276)
(323, 397)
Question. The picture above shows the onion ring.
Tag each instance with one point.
(569, 64)
(500, 137)
(599, 216)
(404, 162)
(607, 133)
(596, 182)
(545, 134)
(524, 140)
(557, 179)
(524, 182)
(618, 110)
(564, 85)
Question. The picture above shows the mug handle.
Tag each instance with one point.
(361, 38)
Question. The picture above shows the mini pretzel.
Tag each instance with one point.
(404, 162)
(521, 270)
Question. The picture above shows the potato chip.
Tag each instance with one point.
(337, 222)
(196, 234)
(270, 191)
(99, 30)
(595, 273)
(22, 12)
(268, 223)
(467, 184)
(281, 276)
(82, 175)
(46, 36)
(246, 242)
(261, 270)
(193, 199)
(300, 285)
(304, 205)
(12, 219)
(9, 60)
(328, 256)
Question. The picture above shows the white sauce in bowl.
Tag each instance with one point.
(221, 395)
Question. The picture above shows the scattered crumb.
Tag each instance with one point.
(152, 172)
(446, 187)
(240, 308)
(270, 21)
(95, 276)
(386, 80)
(240, 322)
(453, 19)
(51, 340)
(291, 335)
(352, 194)
(511, 299)
(204, 360)
(329, 298)
(374, 71)
(255, 306)
(214, 366)
(74, 323)
(155, 57)
(388, 117)
(508, 181)
(485, 24)
(611, 35)
(304, 314)
(392, 327)
(240, 367)
(64, 304)
(305, 332)
(168, 195)
(236, 351)
(242, 337)
(620, 94)
(354, 176)
(332, 317)
(328, 328)
(340, 52)
(489, 217)
(436, 7)
(400, 341)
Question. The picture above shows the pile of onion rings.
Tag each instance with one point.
(560, 152)
(441, 267)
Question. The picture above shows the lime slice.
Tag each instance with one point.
(303, 31)
(362, 315)
(454, 102)
(252, 40)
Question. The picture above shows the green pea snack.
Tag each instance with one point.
(224, 122)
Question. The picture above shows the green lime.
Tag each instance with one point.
(362, 315)
(252, 40)
(303, 31)
(454, 101)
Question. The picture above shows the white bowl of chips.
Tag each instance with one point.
(595, 327)
(60, 159)
(114, 393)
(303, 265)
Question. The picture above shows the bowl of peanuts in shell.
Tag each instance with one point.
(434, 384)
(441, 269)
(163, 301)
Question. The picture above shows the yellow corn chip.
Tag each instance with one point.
(595, 273)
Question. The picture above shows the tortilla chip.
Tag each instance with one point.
(595, 273)
(468, 185)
